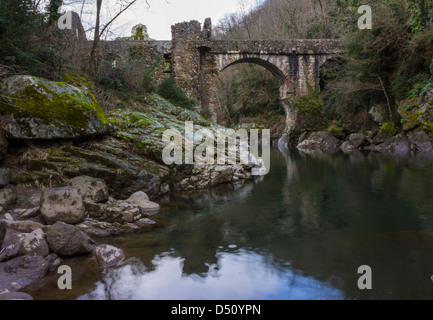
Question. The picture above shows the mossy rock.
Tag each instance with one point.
(36, 108)
(417, 112)
(409, 113)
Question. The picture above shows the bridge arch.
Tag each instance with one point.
(268, 65)
(278, 65)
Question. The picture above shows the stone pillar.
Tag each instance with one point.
(208, 78)
(186, 39)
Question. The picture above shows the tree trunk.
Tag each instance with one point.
(92, 58)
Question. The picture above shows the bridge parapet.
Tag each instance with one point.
(279, 47)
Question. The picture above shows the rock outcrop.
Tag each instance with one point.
(36, 108)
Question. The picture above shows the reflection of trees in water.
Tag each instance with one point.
(324, 214)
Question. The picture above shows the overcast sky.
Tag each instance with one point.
(162, 14)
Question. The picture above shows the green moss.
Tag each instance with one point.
(388, 128)
(56, 103)
(336, 130)
(310, 103)
(77, 80)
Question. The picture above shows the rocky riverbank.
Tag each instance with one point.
(72, 173)
(413, 137)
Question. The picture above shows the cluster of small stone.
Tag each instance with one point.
(57, 224)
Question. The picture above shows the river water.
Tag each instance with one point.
(301, 232)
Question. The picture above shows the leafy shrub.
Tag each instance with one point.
(169, 90)
(310, 103)
(134, 76)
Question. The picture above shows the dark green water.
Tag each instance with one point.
(299, 233)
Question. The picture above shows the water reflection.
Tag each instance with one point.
(236, 276)
(299, 233)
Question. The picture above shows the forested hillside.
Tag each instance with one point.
(383, 66)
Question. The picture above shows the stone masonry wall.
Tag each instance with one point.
(185, 57)
(151, 52)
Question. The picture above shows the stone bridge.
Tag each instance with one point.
(194, 59)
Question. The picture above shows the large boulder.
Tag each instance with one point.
(398, 144)
(92, 189)
(36, 108)
(62, 204)
(67, 240)
(141, 199)
(358, 140)
(321, 140)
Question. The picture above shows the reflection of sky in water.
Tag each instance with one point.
(241, 276)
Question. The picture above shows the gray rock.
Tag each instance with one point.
(399, 144)
(420, 140)
(321, 140)
(358, 140)
(19, 272)
(141, 199)
(34, 244)
(221, 174)
(347, 147)
(109, 256)
(12, 237)
(10, 251)
(122, 211)
(376, 114)
(67, 240)
(28, 213)
(99, 229)
(5, 176)
(92, 189)
(8, 197)
(63, 204)
(382, 137)
(25, 226)
(37, 108)
(144, 222)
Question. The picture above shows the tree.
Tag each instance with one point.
(53, 11)
(124, 5)
(139, 32)
(17, 27)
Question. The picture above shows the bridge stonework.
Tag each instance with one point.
(196, 60)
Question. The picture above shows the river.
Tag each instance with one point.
(300, 232)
